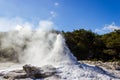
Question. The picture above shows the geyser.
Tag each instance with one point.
(44, 46)
(39, 47)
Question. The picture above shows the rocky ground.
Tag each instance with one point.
(107, 65)
(29, 72)
(112, 67)
(85, 70)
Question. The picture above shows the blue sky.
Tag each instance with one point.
(100, 16)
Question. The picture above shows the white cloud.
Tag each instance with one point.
(56, 4)
(107, 28)
(46, 24)
(111, 27)
(26, 26)
(7, 24)
(53, 14)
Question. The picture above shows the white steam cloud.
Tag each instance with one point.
(7, 24)
(39, 47)
(56, 4)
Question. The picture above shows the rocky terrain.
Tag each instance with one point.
(29, 72)
(44, 55)
(90, 70)
(112, 67)
(108, 65)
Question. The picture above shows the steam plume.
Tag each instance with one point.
(39, 47)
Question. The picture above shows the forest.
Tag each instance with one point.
(87, 45)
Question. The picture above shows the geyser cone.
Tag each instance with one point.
(48, 49)
(60, 53)
(40, 47)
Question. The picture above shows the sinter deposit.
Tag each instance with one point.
(43, 48)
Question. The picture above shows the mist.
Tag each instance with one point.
(41, 46)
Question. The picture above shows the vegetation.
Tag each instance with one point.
(86, 45)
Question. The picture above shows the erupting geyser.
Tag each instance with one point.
(44, 46)
(41, 47)
(48, 49)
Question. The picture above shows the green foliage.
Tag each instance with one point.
(112, 42)
(85, 44)
(81, 43)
